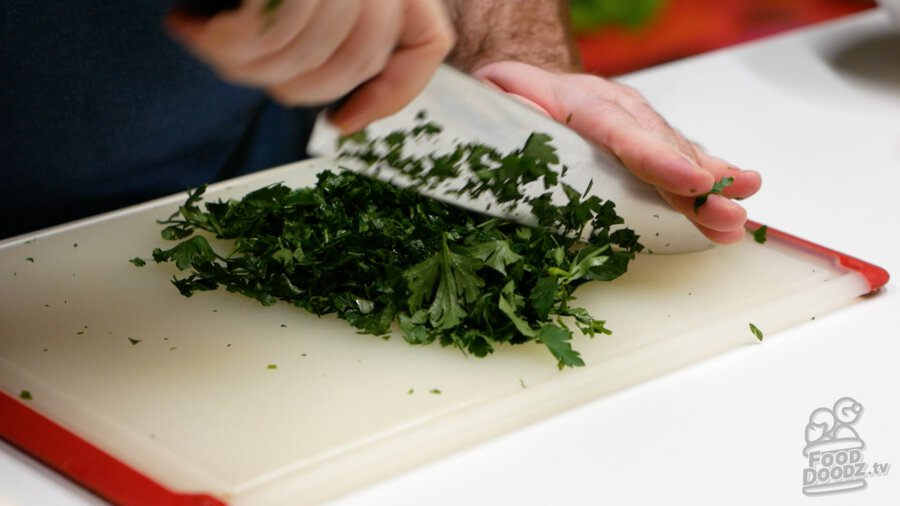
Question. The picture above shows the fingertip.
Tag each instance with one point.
(404, 76)
(751, 178)
(361, 107)
(348, 122)
(746, 183)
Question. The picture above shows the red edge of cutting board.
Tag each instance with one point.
(874, 275)
(119, 483)
(84, 463)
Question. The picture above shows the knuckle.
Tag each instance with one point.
(630, 92)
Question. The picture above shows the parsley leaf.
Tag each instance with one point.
(756, 332)
(495, 254)
(543, 295)
(717, 189)
(760, 234)
(449, 279)
(557, 340)
(187, 253)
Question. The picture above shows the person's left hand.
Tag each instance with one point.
(619, 120)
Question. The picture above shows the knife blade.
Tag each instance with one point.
(470, 111)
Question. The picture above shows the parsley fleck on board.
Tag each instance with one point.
(440, 272)
(760, 234)
(756, 332)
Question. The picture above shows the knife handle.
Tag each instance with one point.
(205, 8)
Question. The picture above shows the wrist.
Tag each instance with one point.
(536, 32)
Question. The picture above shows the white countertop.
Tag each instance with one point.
(817, 111)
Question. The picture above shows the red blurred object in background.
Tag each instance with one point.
(686, 27)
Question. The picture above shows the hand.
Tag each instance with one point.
(618, 119)
(312, 52)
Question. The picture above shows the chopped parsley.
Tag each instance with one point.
(759, 235)
(756, 332)
(375, 255)
(25, 395)
(133, 341)
(717, 189)
(138, 262)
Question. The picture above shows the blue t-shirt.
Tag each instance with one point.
(99, 109)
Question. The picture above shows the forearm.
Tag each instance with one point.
(529, 31)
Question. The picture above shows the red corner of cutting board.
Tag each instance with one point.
(84, 463)
(876, 276)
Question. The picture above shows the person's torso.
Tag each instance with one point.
(100, 109)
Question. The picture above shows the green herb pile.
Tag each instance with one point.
(377, 255)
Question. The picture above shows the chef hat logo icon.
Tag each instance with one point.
(834, 450)
(831, 429)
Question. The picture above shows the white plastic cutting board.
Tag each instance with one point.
(195, 405)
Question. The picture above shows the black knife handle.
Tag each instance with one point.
(205, 8)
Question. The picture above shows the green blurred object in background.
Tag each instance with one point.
(590, 14)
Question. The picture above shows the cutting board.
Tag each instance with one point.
(148, 397)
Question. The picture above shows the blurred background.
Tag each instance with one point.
(619, 36)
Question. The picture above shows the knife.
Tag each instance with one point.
(469, 110)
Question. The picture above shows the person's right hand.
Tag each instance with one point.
(313, 52)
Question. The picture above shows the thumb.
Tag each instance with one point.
(527, 101)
